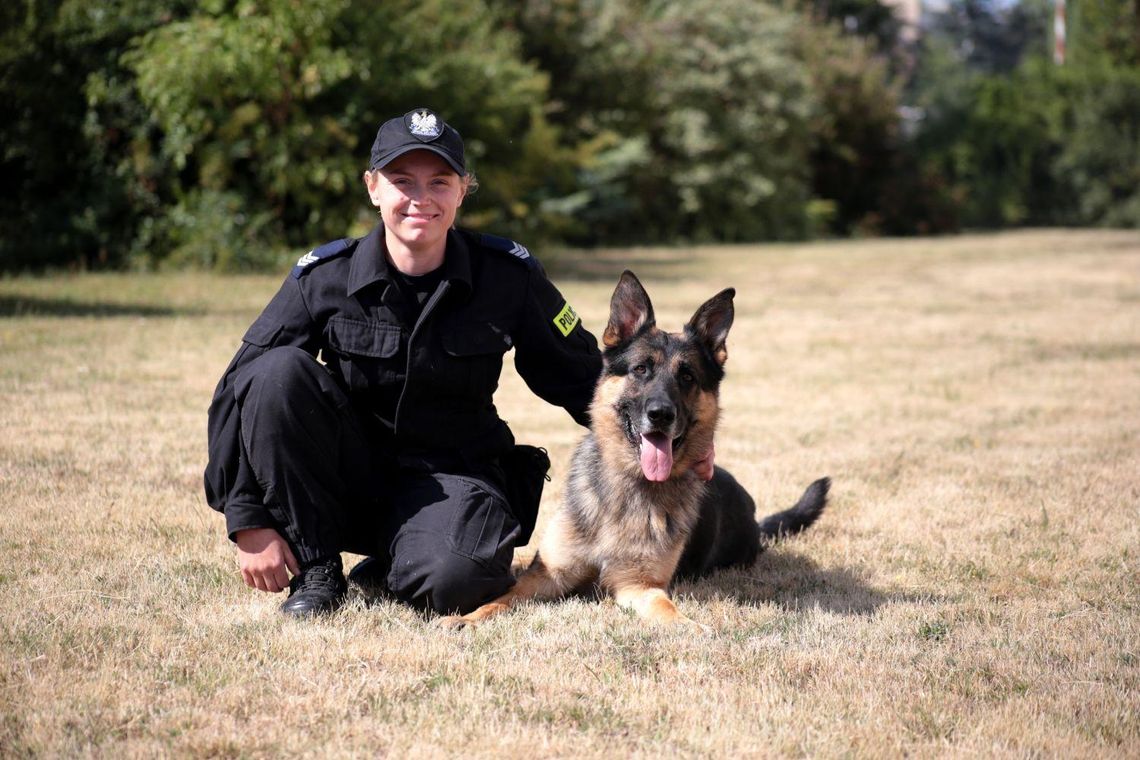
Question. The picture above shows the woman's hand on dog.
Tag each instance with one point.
(265, 559)
(705, 467)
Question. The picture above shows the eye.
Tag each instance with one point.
(687, 377)
(641, 370)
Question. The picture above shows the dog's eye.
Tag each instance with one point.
(640, 370)
(687, 377)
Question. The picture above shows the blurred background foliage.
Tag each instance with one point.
(231, 134)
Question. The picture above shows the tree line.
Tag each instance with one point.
(230, 134)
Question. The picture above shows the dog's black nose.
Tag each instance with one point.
(660, 413)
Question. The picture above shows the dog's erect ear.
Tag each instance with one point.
(711, 322)
(630, 310)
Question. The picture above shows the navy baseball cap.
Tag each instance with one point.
(420, 129)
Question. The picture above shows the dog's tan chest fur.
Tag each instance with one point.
(611, 525)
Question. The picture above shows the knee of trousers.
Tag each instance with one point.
(281, 377)
(450, 583)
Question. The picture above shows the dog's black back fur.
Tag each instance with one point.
(727, 534)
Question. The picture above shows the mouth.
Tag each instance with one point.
(655, 451)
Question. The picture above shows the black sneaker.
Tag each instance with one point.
(371, 575)
(320, 588)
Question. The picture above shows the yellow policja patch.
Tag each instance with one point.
(566, 320)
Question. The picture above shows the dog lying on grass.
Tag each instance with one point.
(635, 515)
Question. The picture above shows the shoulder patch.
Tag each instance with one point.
(506, 245)
(321, 253)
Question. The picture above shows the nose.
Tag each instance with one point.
(660, 412)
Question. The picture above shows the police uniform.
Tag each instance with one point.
(389, 444)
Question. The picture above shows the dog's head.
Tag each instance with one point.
(658, 388)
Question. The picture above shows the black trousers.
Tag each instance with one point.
(331, 485)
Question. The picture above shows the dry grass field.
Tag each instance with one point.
(972, 590)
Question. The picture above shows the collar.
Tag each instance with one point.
(370, 262)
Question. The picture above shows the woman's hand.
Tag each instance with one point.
(705, 467)
(265, 559)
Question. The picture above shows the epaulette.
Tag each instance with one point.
(321, 253)
(506, 245)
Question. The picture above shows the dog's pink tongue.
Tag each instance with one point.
(656, 456)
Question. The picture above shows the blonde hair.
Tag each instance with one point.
(470, 181)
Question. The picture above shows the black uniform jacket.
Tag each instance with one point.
(437, 376)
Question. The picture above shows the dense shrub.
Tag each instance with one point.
(62, 201)
(691, 118)
(1039, 144)
(230, 134)
(267, 112)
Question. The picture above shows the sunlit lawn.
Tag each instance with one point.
(972, 590)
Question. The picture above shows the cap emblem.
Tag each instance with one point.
(424, 125)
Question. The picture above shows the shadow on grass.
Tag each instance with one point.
(792, 582)
(789, 581)
(31, 306)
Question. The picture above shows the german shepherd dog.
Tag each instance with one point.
(635, 515)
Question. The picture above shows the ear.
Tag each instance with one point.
(372, 183)
(464, 188)
(711, 322)
(630, 310)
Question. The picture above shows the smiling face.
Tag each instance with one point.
(418, 195)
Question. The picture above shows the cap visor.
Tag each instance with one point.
(390, 157)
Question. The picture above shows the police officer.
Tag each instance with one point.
(357, 415)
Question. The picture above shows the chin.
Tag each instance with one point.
(421, 239)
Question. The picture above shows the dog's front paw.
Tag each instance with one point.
(453, 622)
(696, 627)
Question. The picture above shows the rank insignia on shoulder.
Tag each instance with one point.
(321, 253)
(506, 245)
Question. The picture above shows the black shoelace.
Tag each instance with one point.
(322, 576)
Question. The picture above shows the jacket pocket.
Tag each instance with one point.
(365, 354)
(482, 527)
(377, 340)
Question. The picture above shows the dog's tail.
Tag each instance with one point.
(799, 518)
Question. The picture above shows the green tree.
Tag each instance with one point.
(869, 20)
(688, 118)
(1104, 30)
(1099, 130)
(992, 36)
(1099, 159)
(1019, 140)
(856, 131)
(61, 204)
(989, 136)
(262, 114)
